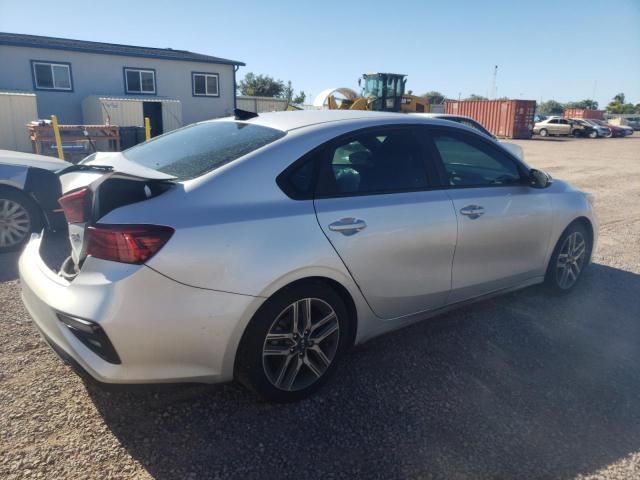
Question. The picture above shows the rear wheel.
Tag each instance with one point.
(570, 257)
(544, 132)
(293, 343)
(593, 134)
(19, 216)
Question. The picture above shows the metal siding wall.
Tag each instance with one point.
(261, 104)
(171, 116)
(16, 110)
(123, 113)
(91, 111)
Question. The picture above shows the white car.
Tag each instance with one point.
(27, 201)
(261, 248)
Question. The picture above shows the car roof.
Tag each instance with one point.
(440, 115)
(287, 121)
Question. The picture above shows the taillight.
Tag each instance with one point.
(126, 243)
(76, 205)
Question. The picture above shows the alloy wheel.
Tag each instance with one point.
(15, 223)
(301, 344)
(571, 260)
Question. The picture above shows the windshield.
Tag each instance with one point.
(200, 148)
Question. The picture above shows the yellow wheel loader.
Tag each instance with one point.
(381, 92)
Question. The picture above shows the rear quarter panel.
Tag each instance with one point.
(237, 232)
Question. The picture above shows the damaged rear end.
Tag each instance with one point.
(84, 204)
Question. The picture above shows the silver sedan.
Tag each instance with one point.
(261, 248)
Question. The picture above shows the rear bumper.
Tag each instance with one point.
(162, 331)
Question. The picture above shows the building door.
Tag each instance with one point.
(153, 110)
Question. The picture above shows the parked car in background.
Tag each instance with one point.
(470, 122)
(261, 248)
(28, 197)
(583, 128)
(633, 122)
(553, 126)
(616, 131)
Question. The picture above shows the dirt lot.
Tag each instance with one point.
(521, 386)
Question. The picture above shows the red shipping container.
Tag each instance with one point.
(503, 118)
(584, 113)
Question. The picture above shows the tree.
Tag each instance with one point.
(550, 107)
(619, 98)
(618, 105)
(287, 94)
(473, 96)
(586, 104)
(434, 97)
(300, 98)
(261, 86)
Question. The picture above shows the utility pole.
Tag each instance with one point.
(493, 83)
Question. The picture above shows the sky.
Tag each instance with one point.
(547, 49)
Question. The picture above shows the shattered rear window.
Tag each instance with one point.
(200, 148)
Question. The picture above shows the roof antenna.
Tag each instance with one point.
(243, 114)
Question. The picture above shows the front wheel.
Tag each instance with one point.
(593, 134)
(544, 132)
(19, 217)
(292, 345)
(570, 257)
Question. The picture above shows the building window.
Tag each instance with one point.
(205, 84)
(139, 81)
(51, 76)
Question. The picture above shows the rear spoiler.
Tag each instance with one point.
(243, 114)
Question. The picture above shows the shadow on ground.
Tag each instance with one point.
(9, 266)
(521, 386)
(550, 139)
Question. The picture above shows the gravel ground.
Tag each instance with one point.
(521, 386)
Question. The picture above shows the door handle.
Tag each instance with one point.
(348, 226)
(472, 211)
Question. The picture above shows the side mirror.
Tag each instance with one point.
(539, 179)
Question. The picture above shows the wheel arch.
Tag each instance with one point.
(586, 223)
(581, 220)
(336, 286)
(10, 188)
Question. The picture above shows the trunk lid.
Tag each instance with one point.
(101, 183)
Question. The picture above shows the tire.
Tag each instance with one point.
(544, 132)
(288, 367)
(609, 135)
(571, 256)
(19, 216)
(593, 134)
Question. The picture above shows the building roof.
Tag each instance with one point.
(36, 41)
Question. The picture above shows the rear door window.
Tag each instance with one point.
(382, 161)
